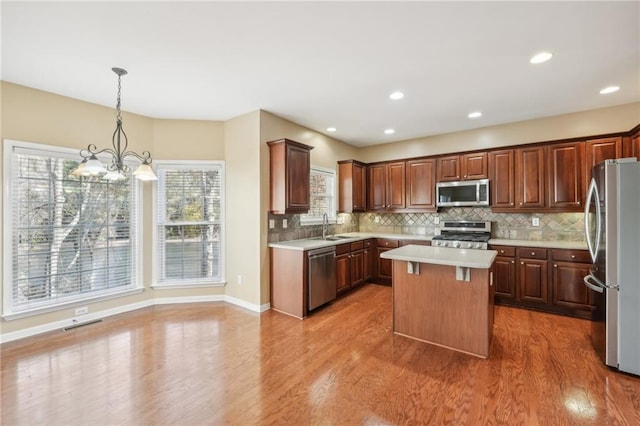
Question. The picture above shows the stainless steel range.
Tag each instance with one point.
(466, 234)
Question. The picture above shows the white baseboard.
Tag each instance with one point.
(57, 325)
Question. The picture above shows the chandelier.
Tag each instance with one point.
(116, 169)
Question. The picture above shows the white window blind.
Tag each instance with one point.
(322, 196)
(189, 223)
(71, 238)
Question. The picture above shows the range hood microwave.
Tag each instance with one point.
(463, 193)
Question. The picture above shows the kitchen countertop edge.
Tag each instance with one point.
(448, 256)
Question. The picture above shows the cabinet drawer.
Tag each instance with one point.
(357, 245)
(343, 248)
(381, 242)
(532, 253)
(571, 255)
(505, 250)
(415, 242)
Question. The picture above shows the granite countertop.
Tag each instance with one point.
(314, 243)
(481, 259)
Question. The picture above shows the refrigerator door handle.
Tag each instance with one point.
(593, 287)
(598, 283)
(593, 248)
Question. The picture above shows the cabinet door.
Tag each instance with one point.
(597, 150)
(449, 168)
(530, 187)
(420, 183)
(384, 267)
(351, 187)
(368, 264)
(395, 185)
(298, 177)
(565, 176)
(343, 272)
(377, 186)
(533, 280)
(357, 267)
(474, 166)
(631, 146)
(502, 178)
(568, 286)
(504, 277)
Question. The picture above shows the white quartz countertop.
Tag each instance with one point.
(314, 243)
(473, 258)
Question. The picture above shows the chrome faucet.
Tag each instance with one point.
(325, 223)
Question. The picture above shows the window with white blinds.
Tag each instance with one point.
(189, 223)
(67, 238)
(322, 198)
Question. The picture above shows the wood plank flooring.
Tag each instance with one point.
(214, 363)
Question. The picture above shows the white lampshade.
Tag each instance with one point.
(94, 166)
(114, 175)
(145, 172)
(80, 169)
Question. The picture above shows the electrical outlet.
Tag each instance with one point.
(239, 279)
(377, 219)
(535, 221)
(272, 223)
(284, 223)
(81, 311)
(436, 220)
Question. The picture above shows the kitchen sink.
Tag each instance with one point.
(333, 238)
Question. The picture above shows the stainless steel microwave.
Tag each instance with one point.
(463, 193)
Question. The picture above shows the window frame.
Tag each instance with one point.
(136, 286)
(157, 281)
(305, 219)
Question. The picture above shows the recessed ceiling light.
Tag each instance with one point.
(396, 95)
(475, 114)
(331, 129)
(389, 132)
(540, 57)
(609, 89)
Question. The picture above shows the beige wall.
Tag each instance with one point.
(595, 122)
(188, 140)
(243, 206)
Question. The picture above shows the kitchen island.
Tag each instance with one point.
(444, 296)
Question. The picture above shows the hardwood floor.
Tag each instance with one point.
(214, 363)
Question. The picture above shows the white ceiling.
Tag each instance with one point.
(324, 64)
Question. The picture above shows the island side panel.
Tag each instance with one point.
(434, 307)
(289, 282)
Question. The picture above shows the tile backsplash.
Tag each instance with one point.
(553, 226)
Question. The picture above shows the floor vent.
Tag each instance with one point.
(81, 324)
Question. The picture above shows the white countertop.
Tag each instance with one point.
(314, 243)
(473, 258)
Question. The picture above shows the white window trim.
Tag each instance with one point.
(155, 278)
(7, 234)
(333, 216)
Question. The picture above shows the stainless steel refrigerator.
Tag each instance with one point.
(612, 227)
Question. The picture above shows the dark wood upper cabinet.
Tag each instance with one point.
(352, 186)
(530, 177)
(474, 166)
(386, 186)
(290, 171)
(449, 168)
(631, 145)
(420, 184)
(565, 176)
(502, 169)
(463, 167)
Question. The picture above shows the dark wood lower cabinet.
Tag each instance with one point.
(533, 280)
(549, 280)
(357, 267)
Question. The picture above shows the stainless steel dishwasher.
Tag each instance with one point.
(322, 276)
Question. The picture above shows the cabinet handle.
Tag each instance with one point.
(501, 251)
(573, 256)
(511, 204)
(521, 203)
(464, 176)
(513, 261)
(533, 253)
(386, 244)
(555, 265)
(522, 263)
